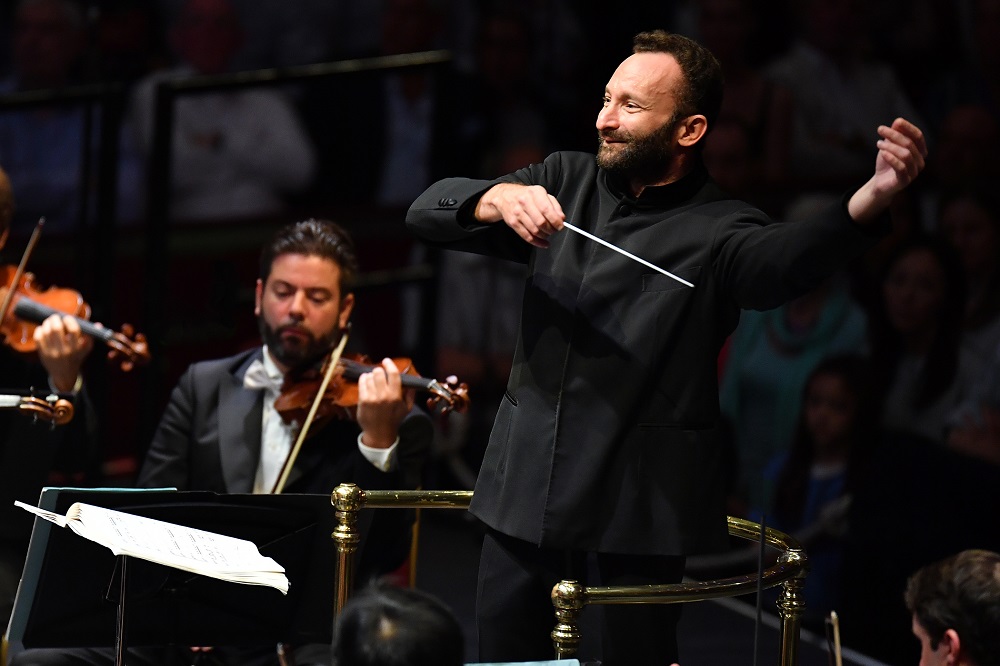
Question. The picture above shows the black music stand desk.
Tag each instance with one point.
(69, 590)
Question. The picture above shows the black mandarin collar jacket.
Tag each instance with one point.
(607, 438)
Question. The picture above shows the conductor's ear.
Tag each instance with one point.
(691, 129)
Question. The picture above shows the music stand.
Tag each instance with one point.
(69, 592)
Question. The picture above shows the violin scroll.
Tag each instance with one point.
(53, 409)
(128, 348)
(451, 395)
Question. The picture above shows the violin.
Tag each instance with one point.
(32, 305)
(341, 394)
(328, 391)
(55, 410)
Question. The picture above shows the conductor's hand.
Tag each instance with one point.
(382, 405)
(62, 349)
(529, 210)
(902, 153)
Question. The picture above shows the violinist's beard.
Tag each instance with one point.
(644, 157)
(295, 355)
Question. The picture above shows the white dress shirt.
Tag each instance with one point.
(277, 437)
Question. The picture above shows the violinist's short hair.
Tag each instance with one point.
(312, 237)
(392, 626)
(961, 592)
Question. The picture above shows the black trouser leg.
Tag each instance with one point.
(514, 613)
(639, 633)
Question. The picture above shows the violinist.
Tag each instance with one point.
(303, 304)
(33, 454)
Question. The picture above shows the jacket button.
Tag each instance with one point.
(445, 203)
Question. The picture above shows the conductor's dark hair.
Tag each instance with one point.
(703, 80)
(393, 626)
(312, 237)
(961, 592)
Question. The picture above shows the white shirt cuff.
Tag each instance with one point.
(383, 459)
(76, 386)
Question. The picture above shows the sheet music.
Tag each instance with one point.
(186, 548)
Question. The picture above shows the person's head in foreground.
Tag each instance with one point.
(955, 604)
(392, 626)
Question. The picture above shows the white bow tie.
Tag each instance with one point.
(257, 377)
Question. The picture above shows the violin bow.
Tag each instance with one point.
(832, 623)
(331, 370)
(28, 249)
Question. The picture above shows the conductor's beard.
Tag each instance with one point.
(645, 157)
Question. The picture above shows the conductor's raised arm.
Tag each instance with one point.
(902, 151)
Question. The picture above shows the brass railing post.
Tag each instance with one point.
(791, 603)
(347, 499)
(568, 600)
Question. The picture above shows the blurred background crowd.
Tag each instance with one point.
(864, 417)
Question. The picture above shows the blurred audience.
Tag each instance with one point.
(770, 356)
(974, 78)
(967, 142)
(128, 40)
(383, 137)
(839, 95)
(280, 34)
(970, 220)
(510, 96)
(565, 63)
(238, 153)
(45, 148)
(974, 427)
(728, 156)
(920, 40)
(916, 347)
(816, 478)
(729, 28)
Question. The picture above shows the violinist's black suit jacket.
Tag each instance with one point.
(607, 438)
(209, 439)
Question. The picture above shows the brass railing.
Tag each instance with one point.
(570, 597)
(348, 499)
